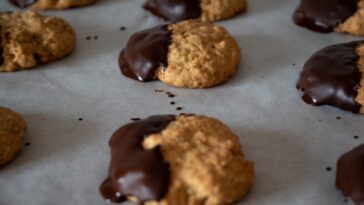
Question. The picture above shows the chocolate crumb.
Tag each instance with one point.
(122, 28)
(27, 144)
(172, 103)
(179, 108)
(88, 38)
(328, 169)
(80, 119)
(96, 37)
(135, 119)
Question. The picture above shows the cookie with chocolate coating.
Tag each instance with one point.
(50, 4)
(201, 157)
(334, 15)
(28, 39)
(205, 10)
(334, 76)
(189, 54)
(12, 130)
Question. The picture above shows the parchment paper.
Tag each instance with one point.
(291, 143)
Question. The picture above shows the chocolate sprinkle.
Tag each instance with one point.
(145, 52)
(350, 174)
(135, 171)
(23, 3)
(174, 10)
(331, 77)
(324, 15)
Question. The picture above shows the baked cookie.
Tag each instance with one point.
(206, 10)
(334, 15)
(334, 76)
(28, 39)
(51, 4)
(177, 160)
(189, 54)
(12, 129)
(350, 174)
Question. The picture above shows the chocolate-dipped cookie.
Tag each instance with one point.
(189, 54)
(51, 4)
(350, 174)
(331, 15)
(12, 130)
(206, 10)
(334, 76)
(177, 160)
(28, 39)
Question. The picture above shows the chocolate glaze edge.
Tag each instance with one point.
(145, 52)
(130, 159)
(23, 3)
(331, 77)
(322, 15)
(350, 174)
(175, 11)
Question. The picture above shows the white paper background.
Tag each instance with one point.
(290, 142)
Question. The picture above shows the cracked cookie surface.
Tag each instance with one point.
(29, 39)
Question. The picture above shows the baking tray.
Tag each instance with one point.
(73, 106)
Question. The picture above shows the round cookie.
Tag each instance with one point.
(51, 4)
(28, 39)
(334, 76)
(186, 159)
(335, 15)
(350, 174)
(12, 129)
(190, 54)
(206, 10)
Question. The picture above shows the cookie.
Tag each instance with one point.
(350, 174)
(51, 4)
(12, 129)
(190, 54)
(334, 76)
(328, 16)
(179, 160)
(28, 39)
(205, 10)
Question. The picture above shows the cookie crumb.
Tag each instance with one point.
(27, 144)
(96, 37)
(179, 108)
(356, 137)
(328, 169)
(123, 28)
(338, 118)
(135, 119)
(88, 38)
(80, 119)
(172, 103)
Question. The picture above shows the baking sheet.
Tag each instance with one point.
(73, 106)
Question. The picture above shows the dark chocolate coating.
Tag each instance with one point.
(174, 10)
(350, 174)
(331, 77)
(145, 51)
(133, 170)
(324, 15)
(23, 3)
(1, 49)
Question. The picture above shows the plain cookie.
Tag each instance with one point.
(205, 10)
(51, 4)
(334, 76)
(29, 39)
(200, 156)
(12, 130)
(190, 54)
